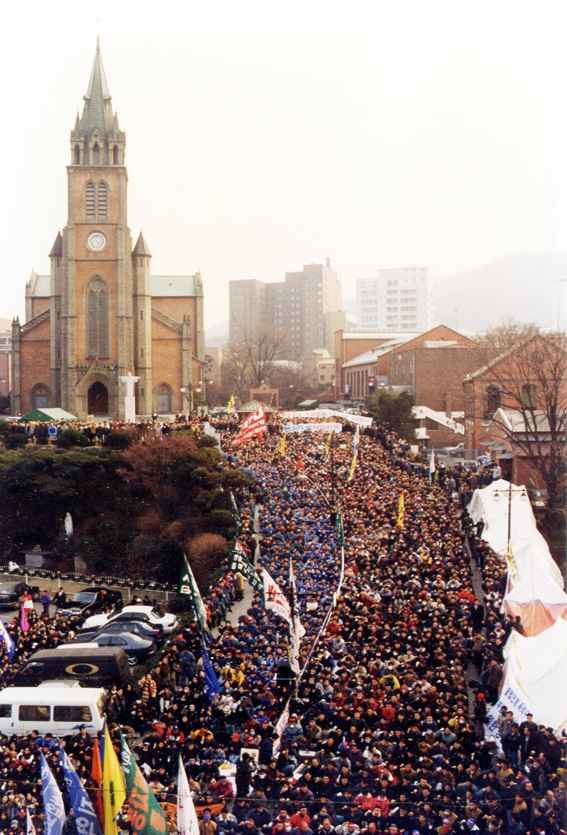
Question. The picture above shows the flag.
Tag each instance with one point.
(113, 789)
(239, 562)
(24, 623)
(340, 530)
(401, 512)
(30, 828)
(274, 598)
(96, 781)
(230, 405)
(352, 467)
(189, 588)
(255, 424)
(282, 445)
(8, 640)
(431, 464)
(280, 727)
(236, 512)
(52, 801)
(212, 684)
(328, 444)
(85, 815)
(296, 631)
(145, 813)
(187, 823)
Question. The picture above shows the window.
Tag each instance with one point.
(102, 201)
(529, 395)
(90, 200)
(40, 396)
(493, 401)
(34, 713)
(72, 713)
(96, 154)
(115, 155)
(5, 711)
(97, 318)
(77, 155)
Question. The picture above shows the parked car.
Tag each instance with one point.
(137, 649)
(147, 614)
(119, 626)
(90, 601)
(10, 594)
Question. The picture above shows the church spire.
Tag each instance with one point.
(96, 138)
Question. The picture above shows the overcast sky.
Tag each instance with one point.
(265, 135)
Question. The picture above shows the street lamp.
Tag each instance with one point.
(187, 391)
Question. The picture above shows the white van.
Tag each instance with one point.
(56, 707)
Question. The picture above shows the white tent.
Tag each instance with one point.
(492, 505)
(536, 668)
(535, 593)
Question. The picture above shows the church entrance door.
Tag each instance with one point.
(97, 399)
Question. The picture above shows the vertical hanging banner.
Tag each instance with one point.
(189, 588)
(187, 823)
(255, 424)
(145, 813)
(52, 801)
(85, 815)
(239, 562)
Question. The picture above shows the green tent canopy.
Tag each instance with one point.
(48, 415)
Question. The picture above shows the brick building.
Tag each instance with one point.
(100, 314)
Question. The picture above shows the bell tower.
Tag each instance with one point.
(92, 287)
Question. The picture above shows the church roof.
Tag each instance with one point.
(97, 109)
(40, 286)
(174, 285)
(141, 247)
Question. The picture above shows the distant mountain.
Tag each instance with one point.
(216, 334)
(521, 286)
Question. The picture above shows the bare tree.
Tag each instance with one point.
(250, 358)
(523, 371)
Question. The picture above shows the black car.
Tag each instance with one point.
(91, 601)
(137, 649)
(10, 594)
(144, 630)
(136, 627)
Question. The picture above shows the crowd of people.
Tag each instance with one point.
(383, 732)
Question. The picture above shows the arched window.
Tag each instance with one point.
(102, 201)
(163, 399)
(493, 401)
(96, 154)
(97, 319)
(90, 200)
(40, 396)
(77, 154)
(115, 157)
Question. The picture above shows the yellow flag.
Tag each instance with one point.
(352, 467)
(113, 788)
(230, 404)
(328, 444)
(401, 511)
(282, 445)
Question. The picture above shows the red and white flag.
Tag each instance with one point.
(254, 424)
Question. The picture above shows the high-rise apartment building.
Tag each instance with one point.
(298, 307)
(397, 299)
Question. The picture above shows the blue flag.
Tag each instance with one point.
(8, 640)
(85, 815)
(52, 801)
(212, 684)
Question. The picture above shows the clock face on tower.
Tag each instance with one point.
(96, 241)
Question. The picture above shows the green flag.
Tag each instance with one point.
(145, 813)
(239, 562)
(189, 588)
(339, 529)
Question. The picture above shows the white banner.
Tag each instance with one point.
(512, 699)
(313, 427)
(361, 420)
(281, 725)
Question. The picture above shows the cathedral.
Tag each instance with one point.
(100, 314)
